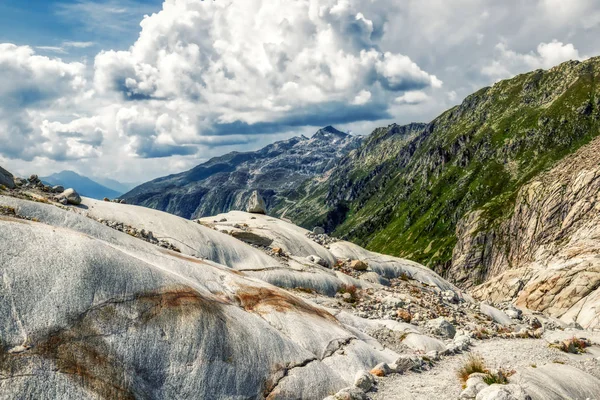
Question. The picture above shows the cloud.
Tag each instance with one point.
(296, 63)
(104, 17)
(52, 49)
(64, 48)
(33, 88)
(412, 98)
(30, 80)
(508, 63)
(78, 45)
(207, 77)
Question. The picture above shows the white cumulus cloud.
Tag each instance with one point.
(292, 63)
(508, 62)
(34, 88)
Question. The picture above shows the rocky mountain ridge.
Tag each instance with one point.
(475, 157)
(225, 183)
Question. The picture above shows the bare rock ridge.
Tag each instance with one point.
(226, 183)
(105, 300)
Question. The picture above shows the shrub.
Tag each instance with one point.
(500, 376)
(473, 363)
(573, 345)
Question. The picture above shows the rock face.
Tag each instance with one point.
(256, 204)
(215, 316)
(226, 183)
(545, 256)
(73, 326)
(6, 179)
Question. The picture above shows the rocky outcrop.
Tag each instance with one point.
(72, 326)
(226, 183)
(256, 204)
(6, 179)
(545, 256)
(216, 315)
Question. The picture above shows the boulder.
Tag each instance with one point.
(71, 196)
(318, 230)
(358, 265)
(256, 204)
(503, 392)
(351, 393)
(381, 369)
(423, 343)
(364, 381)
(496, 315)
(513, 313)
(6, 179)
(474, 385)
(58, 189)
(406, 363)
(441, 327)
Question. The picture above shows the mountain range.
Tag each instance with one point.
(87, 187)
(406, 190)
(226, 183)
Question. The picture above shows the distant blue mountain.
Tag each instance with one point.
(121, 187)
(83, 185)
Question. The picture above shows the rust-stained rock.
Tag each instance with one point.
(358, 265)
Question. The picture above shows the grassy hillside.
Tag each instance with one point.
(403, 193)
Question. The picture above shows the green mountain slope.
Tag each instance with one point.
(405, 189)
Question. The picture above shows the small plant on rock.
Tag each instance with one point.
(473, 363)
(499, 377)
(349, 293)
(573, 345)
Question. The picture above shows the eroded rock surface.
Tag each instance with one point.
(546, 256)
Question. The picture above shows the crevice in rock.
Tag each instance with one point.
(272, 387)
(339, 344)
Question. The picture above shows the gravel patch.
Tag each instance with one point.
(441, 381)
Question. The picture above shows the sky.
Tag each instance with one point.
(137, 89)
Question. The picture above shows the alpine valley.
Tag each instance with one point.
(458, 259)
